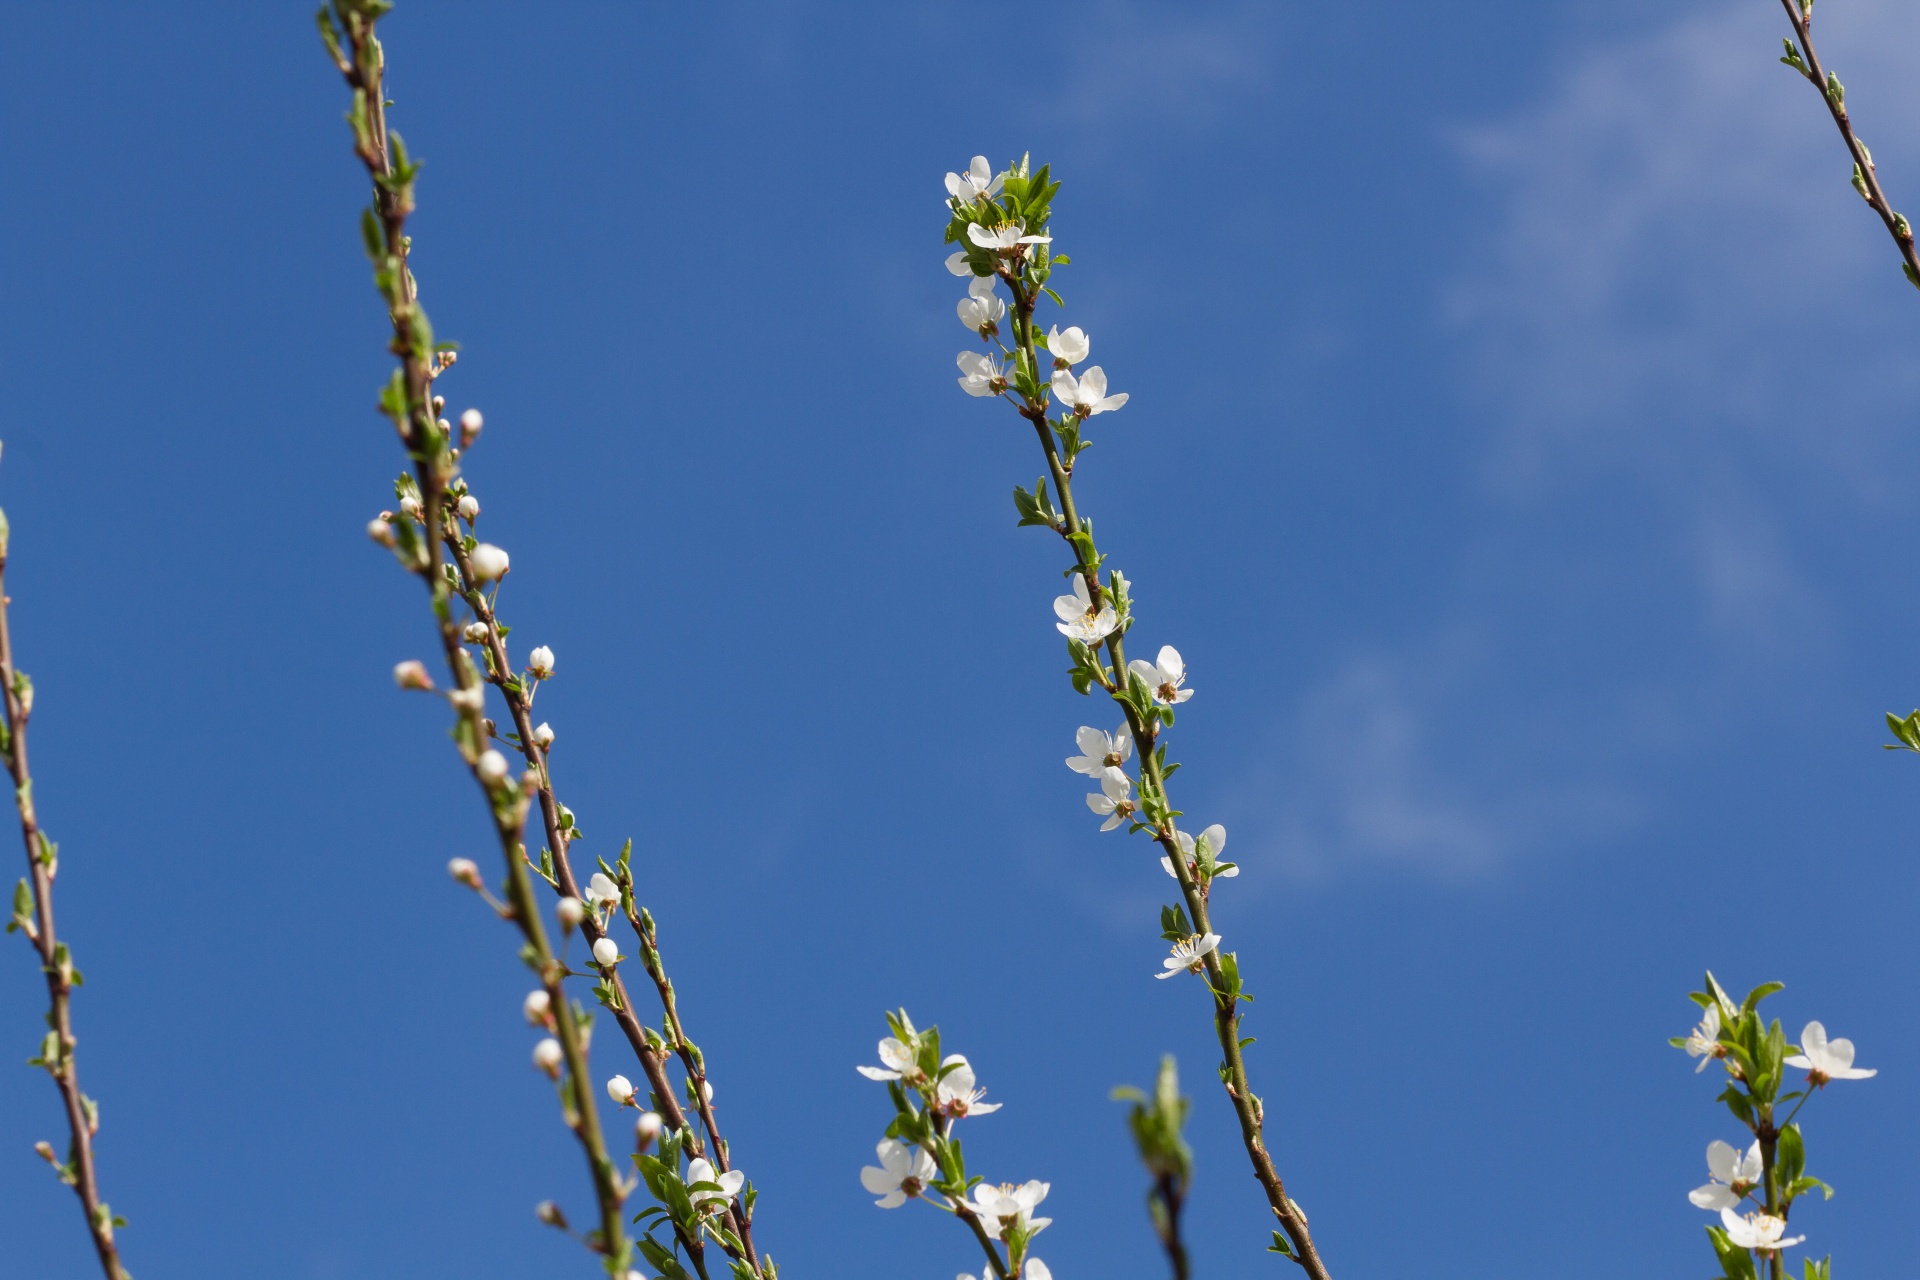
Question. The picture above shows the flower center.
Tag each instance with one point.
(912, 1186)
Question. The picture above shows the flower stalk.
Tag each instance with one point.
(33, 916)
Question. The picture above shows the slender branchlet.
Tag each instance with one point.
(921, 1158)
(1156, 1121)
(1000, 222)
(33, 916)
(348, 31)
(1753, 1192)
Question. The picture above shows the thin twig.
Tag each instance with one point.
(56, 961)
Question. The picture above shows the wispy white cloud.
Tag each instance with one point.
(1166, 61)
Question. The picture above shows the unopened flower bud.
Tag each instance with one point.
(439, 405)
(492, 767)
(380, 531)
(470, 424)
(468, 507)
(476, 633)
(45, 1150)
(540, 663)
(620, 1089)
(468, 699)
(489, 562)
(465, 872)
(410, 506)
(549, 1212)
(548, 1055)
(412, 674)
(446, 428)
(648, 1128)
(536, 1006)
(543, 735)
(571, 912)
(606, 952)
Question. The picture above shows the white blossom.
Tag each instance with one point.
(571, 912)
(471, 699)
(1760, 1231)
(620, 1089)
(412, 674)
(540, 663)
(543, 735)
(1002, 1206)
(1100, 751)
(898, 1059)
(548, 1055)
(475, 633)
(536, 1006)
(1079, 619)
(1164, 676)
(470, 424)
(648, 1128)
(489, 562)
(1112, 801)
(468, 507)
(410, 506)
(903, 1173)
(957, 263)
(979, 180)
(956, 1094)
(1036, 1270)
(492, 766)
(380, 531)
(1216, 838)
(1087, 394)
(981, 312)
(1704, 1042)
(980, 374)
(1009, 239)
(606, 953)
(602, 891)
(1070, 344)
(1188, 954)
(1823, 1059)
(1733, 1175)
(702, 1171)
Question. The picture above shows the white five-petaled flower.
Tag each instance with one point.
(979, 180)
(1823, 1059)
(620, 1089)
(903, 1173)
(1002, 1206)
(1164, 675)
(1760, 1231)
(1009, 239)
(1080, 619)
(548, 1055)
(981, 312)
(1112, 801)
(1704, 1042)
(980, 374)
(1087, 394)
(489, 562)
(601, 890)
(1216, 838)
(606, 953)
(1733, 1176)
(1071, 344)
(958, 264)
(1187, 955)
(1035, 1270)
(540, 663)
(898, 1059)
(1100, 751)
(702, 1170)
(956, 1095)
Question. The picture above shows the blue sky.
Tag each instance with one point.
(1518, 449)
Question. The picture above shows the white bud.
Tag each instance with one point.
(489, 562)
(492, 767)
(468, 699)
(540, 663)
(620, 1089)
(648, 1128)
(470, 424)
(548, 1055)
(412, 674)
(706, 1091)
(439, 405)
(468, 507)
(549, 1212)
(571, 912)
(606, 952)
(410, 505)
(543, 735)
(536, 1006)
(464, 871)
(380, 531)
(476, 633)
